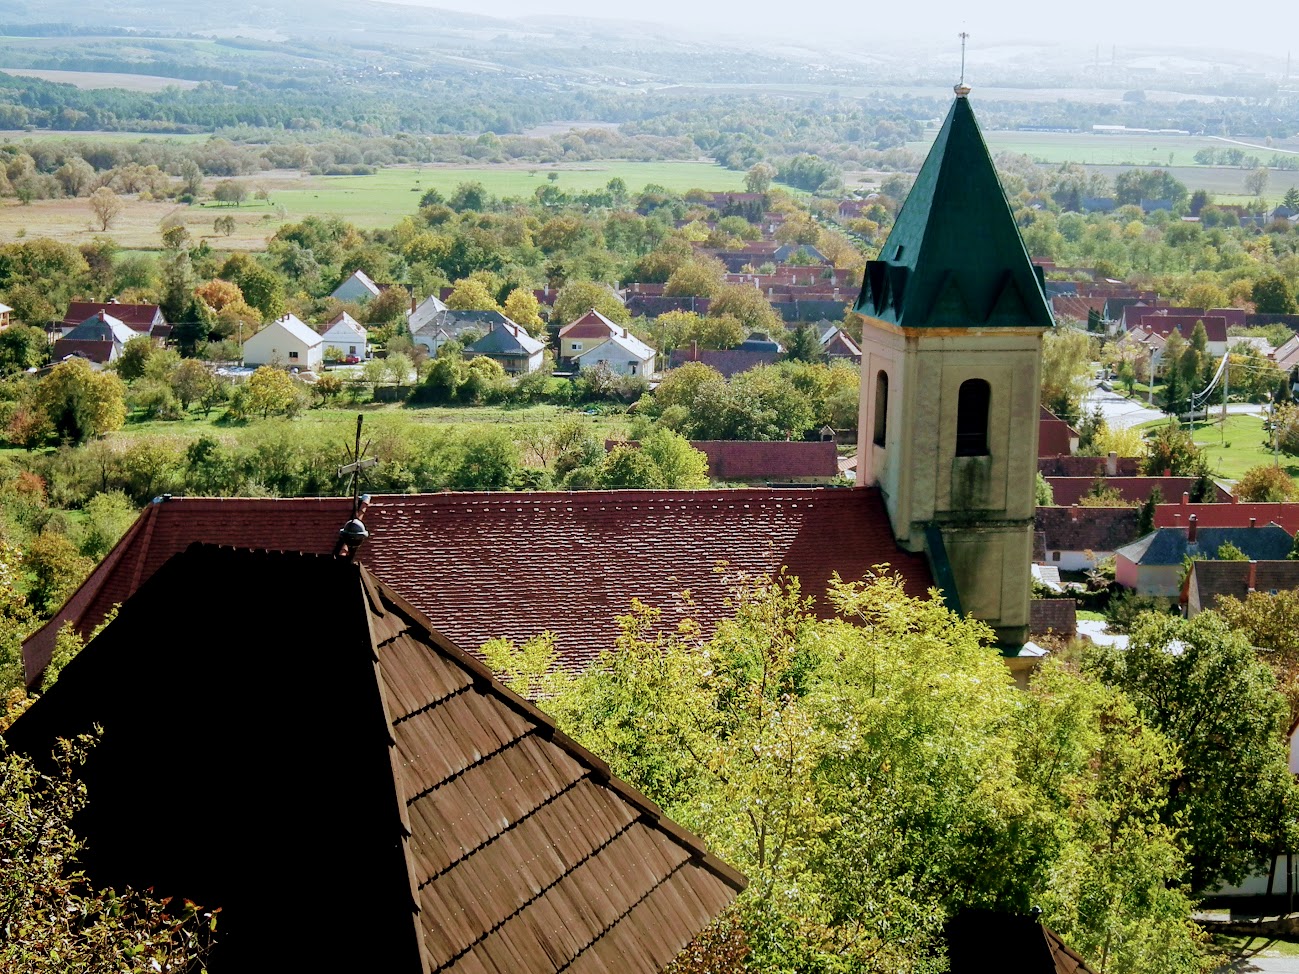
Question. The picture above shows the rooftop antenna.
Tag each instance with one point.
(962, 89)
(353, 533)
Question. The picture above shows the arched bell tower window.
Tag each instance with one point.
(972, 404)
(881, 407)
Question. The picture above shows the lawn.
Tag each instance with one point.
(1243, 444)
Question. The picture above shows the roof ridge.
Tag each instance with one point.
(547, 727)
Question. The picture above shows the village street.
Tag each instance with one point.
(1121, 412)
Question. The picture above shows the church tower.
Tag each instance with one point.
(951, 367)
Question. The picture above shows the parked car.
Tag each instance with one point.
(351, 360)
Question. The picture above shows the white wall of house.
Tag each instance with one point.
(1074, 561)
(347, 340)
(277, 345)
(618, 359)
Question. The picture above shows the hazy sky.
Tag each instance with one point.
(838, 23)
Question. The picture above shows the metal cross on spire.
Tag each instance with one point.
(961, 88)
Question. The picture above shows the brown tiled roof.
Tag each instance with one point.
(1092, 467)
(372, 755)
(1098, 529)
(91, 351)
(1070, 490)
(564, 562)
(1215, 326)
(1215, 578)
(1056, 616)
(138, 316)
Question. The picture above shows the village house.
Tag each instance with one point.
(286, 342)
(511, 346)
(424, 312)
(592, 331)
(1209, 581)
(838, 344)
(143, 319)
(356, 289)
(1078, 538)
(1152, 565)
(99, 339)
(348, 336)
(1055, 437)
(1132, 490)
(5, 312)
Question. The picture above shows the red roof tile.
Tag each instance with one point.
(528, 562)
(775, 460)
(1055, 437)
(1134, 490)
(1235, 515)
(1215, 326)
(138, 316)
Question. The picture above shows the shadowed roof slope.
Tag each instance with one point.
(454, 827)
(955, 257)
(528, 562)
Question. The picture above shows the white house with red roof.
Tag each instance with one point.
(347, 335)
(629, 355)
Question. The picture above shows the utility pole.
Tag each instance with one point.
(1226, 384)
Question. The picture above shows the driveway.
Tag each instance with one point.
(1099, 634)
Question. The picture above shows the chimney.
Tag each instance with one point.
(414, 302)
(1177, 520)
(1186, 498)
(1190, 529)
(1168, 471)
(1253, 574)
(1073, 512)
(1253, 521)
(1112, 464)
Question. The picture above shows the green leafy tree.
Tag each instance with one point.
(489, 460)
(471, 294)
(56, 569)
(578, 297)
(1173, 449)
(271, 391)
(1273, 294)
(1043, 496)
(189, 380)
(1233, 797)
(54, 918)
(749, 306)
(1067, 355)
(108, 515)
(81, 403)
(680, 466)
(804, 345)
(1265, 482)
(135, 356)
(758, 178)
(626, 467)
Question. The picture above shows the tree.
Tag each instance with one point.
(135, 357)
(489, 460)
(1265, 482)
(1172, 449)
(578, 297)
(749, 306)
(224, 225)
(54, 919)
(700, 278)
(230, 191)
(471, 294)
(804, 345)
(189, 381)
(108, 515)
(627, 468)
(758, 178)
(56, 569)
(1066, 371)
(522, 308)
(106, 206)
(680, 466)
(271, 390)
(1273, 294)
(1256, 181)
(1043, 495)
(1233, 794)
(81, 403)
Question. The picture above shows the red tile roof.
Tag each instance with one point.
(776, 460)
(1214, 579)
(91, 351)
(1215, 326)
(483, 838)
(1070, 490)
(1057, 617)
(1054, 435)
(138, 316)
(528, 562)
(1234, 515)
(1098, 529)
(167, 528)
(728, 361)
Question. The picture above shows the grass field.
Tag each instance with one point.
(1244, 445)
(63, 135)
(339, 421)
(378, 200)
(98, 79)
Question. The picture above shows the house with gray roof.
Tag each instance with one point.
(99, 339)
(1152, 565)
(358, 288)
(511, 346)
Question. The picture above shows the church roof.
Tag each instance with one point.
(368, 755)
(522, 561)
(955, 257)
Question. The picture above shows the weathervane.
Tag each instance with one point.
(962, 89)
(353, 533)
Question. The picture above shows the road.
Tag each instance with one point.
(1121, 413)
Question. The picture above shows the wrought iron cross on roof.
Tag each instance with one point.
(356, 466)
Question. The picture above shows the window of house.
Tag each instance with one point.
(574, 346)
(881, 407)
(972, 404)
(293, 355)
(1055, 556)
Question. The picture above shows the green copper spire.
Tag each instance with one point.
(954, 258)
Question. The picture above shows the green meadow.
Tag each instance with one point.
(381, 199)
